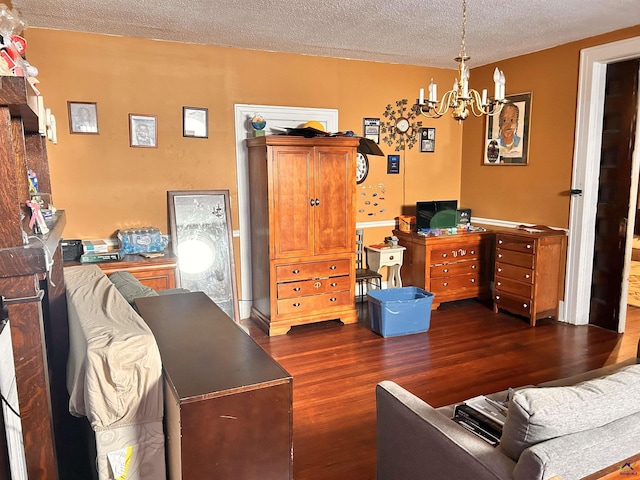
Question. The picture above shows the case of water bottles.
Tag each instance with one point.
(142, 240)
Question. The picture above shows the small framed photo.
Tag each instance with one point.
(428, 140)
(507, 134)
(393, 163)
(83, 117)
(371, 129)
(195, 122)
(143, 131)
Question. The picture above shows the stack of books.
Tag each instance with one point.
(99, 251)
(482, 416)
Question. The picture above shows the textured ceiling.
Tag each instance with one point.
(415, 32)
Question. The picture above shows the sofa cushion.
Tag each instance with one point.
(542, 413)
(130, 287)
(580, 454)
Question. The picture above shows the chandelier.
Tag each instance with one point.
(461, 98)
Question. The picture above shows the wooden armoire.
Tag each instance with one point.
(303, 222)
(31, 281)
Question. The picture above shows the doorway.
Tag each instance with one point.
(586, 166)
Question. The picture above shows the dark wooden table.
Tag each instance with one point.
(228, 404)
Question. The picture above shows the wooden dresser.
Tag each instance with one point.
(452, 267)
(228, 404)
(303, 226)
(158, 273)
(528, 271)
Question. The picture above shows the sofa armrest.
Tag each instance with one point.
(416, 441)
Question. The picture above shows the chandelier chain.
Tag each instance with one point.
(463, 51)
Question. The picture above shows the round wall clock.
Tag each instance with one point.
(400, 125)
(362, 167)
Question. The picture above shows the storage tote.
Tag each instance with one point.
(399, 311)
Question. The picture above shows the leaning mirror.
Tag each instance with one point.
(201, 238)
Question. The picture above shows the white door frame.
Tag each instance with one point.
(276, 117)
(586, 168)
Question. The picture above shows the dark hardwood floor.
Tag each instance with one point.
(467, 351)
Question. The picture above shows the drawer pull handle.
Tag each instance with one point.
(499, 269)
(446, 270)
(297, 289)
(445, 284)
(473, 252)
(499, 255)
(334, 284)
(333, 299)
(332, 267)
(525, 305)
(317, 201)
(296, 304)
(317, 285)
(444, 255)
(497, 297)
(296, 271)
(473, 280)
(499, 284)
(527, 276)
(473, 267)
(528, 245)
(390, 257)
(312, 202)
(500, 242)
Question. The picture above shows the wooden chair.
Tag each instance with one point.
(364, 276)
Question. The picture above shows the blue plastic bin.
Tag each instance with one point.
(400, 311)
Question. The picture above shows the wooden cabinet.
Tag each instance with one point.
(303, 225)
(31, 282)
(452, 267)
(528, 271)
(158, 273)
(228, 404)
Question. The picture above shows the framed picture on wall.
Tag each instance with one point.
(428, 140)
(143, 131)
(371, 129)
(507, 134)
(393, 164)
(83, 117)
(195, 122)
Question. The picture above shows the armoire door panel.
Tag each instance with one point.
(292, 196)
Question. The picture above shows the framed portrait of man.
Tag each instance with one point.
(83, 117)
(507, 133)
(143, 131)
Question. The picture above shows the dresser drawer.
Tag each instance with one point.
(513, 303)
(451, 284)
(446, 255)
(515, 258)
(302, 271)
(313, 287)
(459, 268)
(517, 244)
(304, 305)
(522, 274)
(507, 285)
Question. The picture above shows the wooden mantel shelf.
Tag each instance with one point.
(17, 94)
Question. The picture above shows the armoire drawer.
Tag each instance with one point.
(507, 285)
(515, 258)
(323, 269)
(314, 302)
(459, 268)
(313, 286)
(445, 255)
(518, 244)
(451, 284)
(513, 303)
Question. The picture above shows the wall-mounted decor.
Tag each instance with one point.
(83, 117)
(393, 163)
(201, 238)
(143, 131)
(400, 126)
(428, 140)
(507, 134)
(195, 122)
(371, 129)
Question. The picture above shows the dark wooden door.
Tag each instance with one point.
(618, 134)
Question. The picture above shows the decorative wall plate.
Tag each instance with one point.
(400, 126)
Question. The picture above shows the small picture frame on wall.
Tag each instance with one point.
(371, 129)
(507, 134)
(428, 140)
(393, 164)
(143, 131)
(83, 117)
(195, 122)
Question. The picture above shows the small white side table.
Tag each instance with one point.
(390, 257)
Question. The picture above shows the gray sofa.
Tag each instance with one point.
(567, 428)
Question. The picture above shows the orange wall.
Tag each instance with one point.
(104, 185)
(537, 193)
